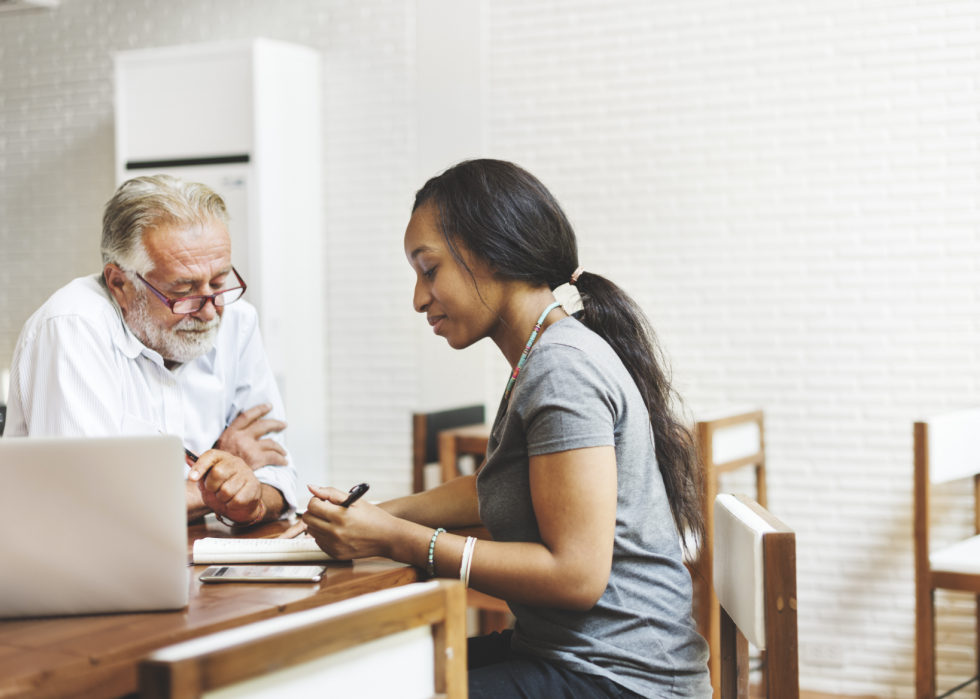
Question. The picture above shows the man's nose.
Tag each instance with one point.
(208, 312)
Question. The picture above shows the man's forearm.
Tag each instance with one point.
(275, 504)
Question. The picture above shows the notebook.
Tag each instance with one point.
(92, 526)
(208, 551)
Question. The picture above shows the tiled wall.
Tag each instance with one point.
(790, 190)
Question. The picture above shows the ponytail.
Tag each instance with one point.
(614, 316)
(508, 219)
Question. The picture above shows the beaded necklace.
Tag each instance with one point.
(527, 349)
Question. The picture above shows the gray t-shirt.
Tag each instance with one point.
(572, 393)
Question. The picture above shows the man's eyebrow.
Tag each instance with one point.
(192, 282)
(420, 249)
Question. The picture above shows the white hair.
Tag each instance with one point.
(143, 203)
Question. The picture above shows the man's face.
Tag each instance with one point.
(188, 261)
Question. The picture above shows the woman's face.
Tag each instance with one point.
(456, 308)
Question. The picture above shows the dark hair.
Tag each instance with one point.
(508, 219)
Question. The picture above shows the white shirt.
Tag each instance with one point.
(78, 371)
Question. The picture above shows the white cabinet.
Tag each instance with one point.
(244, 118)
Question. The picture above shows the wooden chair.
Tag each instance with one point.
(755, 580)
(444, 437)
(425, 438)
(728, 441)
(407, 642)
(471, 440)
(947, 448)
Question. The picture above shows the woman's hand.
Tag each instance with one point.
(294, 531)
(358, 531)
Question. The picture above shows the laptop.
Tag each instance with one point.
(92, 526)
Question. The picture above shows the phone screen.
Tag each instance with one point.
(263, 574)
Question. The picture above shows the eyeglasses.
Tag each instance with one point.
(192, 304)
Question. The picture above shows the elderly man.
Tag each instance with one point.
(154, 344)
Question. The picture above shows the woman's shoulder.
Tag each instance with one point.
(571, 340)
(569, 356)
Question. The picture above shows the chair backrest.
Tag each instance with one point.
(951, 447)
(425, 436)
(946, 448)
(755, 582)
(732, 439)
(407, 642)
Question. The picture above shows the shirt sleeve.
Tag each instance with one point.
(255, 384)
(564, 401)
(63, 382)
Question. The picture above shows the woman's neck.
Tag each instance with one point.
(518, 317)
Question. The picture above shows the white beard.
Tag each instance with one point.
(189, 339)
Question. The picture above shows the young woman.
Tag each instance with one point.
(589, 478)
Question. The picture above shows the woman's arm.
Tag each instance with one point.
(574, 495)
(452, 505)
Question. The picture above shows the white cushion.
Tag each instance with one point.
(963, 557)
(954, 445)
(739, 566)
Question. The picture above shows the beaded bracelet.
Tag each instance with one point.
(257, 519)
(431, 569)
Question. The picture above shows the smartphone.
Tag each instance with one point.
(305, 574)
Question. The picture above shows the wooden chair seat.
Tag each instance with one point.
(961, 557)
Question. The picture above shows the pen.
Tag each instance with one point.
(355, 493)
(190, 455)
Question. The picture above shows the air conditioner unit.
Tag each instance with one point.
(244, 118)
(13, 5)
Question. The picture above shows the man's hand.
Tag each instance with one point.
(243, 438)
(227, 485)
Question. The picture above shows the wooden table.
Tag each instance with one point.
(95, 657)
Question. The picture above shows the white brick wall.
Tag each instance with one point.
(789, 189)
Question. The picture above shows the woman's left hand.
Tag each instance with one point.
(358, 531)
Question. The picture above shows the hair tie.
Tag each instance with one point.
(576, 274)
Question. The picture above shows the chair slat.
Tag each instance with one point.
(736, 443)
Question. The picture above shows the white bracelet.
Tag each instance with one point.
(467, 562)
(462, 561)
